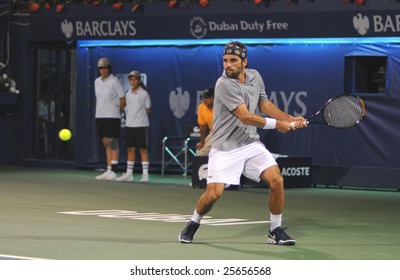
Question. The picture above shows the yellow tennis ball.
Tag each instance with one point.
(65, 134)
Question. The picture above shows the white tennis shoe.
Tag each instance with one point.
(102, 176)
(125, 178)
(145, 178)
(111, 176)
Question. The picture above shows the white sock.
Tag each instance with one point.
(145, 167)
(129, 167)
(276, 221)
(196, 217)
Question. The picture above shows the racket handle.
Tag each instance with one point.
(293, 124)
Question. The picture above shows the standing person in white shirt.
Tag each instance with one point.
(138, 107)
(110, 102)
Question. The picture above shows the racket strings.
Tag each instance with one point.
(345, 111)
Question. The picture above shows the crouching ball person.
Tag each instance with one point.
(236, 147)
(110, 102)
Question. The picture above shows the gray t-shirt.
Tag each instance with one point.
(229, 132)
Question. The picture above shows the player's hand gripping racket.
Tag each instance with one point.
(342, 111)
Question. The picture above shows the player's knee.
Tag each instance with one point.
(273, 180)
(113, 144)
(213, 196)
(214, 192)
(276, 182)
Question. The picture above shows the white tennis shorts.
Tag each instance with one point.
(227, 166)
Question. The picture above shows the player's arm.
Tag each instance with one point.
(121, 94)
(249, 118)
(270, 109)
(203, 134)
(148, 105)
(122, 104)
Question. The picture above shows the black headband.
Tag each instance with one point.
(235, 50)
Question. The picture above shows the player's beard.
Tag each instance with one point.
(232, 73)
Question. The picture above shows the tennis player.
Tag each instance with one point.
(236, 148)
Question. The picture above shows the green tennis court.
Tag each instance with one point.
(65, 214)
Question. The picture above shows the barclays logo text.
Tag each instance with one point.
(376, 23)
(98, 28)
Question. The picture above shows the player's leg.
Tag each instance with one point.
(224, 168)
(203, 206)
(262, 165)
(107, 149)
(142, 140)
(100, 126)
(276, 199)
(274, 180)
(130, 163)
(213, 192)
(144, 154)
(106, 144)
(113, 132)
(130, 156)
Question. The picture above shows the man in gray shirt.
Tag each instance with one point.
(236, 148)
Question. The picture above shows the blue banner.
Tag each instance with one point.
(221, 20)
(299, 80)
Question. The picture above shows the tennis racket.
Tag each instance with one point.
(342, 111)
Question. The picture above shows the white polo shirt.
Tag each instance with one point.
(108, 92)
(136, 105)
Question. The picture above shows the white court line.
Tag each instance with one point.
(18, 257)
(240, 223)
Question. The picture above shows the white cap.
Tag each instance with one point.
(103, 62)
(135, 74)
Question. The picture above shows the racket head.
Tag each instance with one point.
(343, 111)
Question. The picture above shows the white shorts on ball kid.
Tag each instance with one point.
(227, 166)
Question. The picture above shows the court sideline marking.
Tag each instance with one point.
(13, 257)
(169, 218)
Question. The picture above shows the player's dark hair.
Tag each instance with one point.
(236, 48)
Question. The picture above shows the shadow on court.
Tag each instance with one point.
(68, 215)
